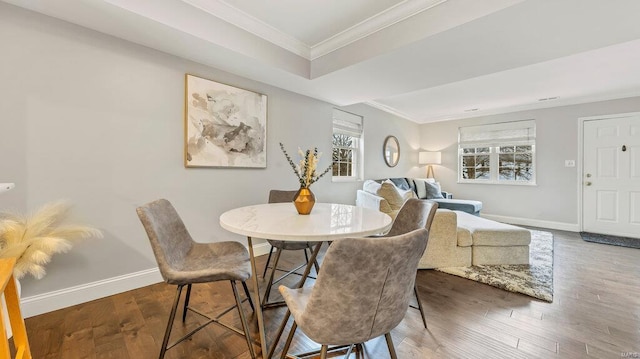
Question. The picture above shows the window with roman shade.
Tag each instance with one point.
(347, 146)
(502, 153)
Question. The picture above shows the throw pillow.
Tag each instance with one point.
(421, 188)
(427, 179)
(400, 182)
(390, 192)
(433, 190)
(371, 186)
(407, 194)
(385, 208)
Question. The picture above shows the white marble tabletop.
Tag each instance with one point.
(327, 221)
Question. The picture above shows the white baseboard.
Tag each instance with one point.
(562, 226)
(48, 302)
(261, 249)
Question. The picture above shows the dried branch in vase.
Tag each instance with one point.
(306, 169)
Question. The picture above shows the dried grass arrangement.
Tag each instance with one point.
(35, 238)
(306, 170)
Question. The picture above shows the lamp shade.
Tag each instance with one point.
(430, 158)
(6, 186)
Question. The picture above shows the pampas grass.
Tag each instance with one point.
(34, 239)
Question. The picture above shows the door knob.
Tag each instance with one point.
(587, 183)
(588, 175)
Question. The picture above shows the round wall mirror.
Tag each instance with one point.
(391, 151)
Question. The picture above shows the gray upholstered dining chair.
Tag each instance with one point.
(280, 196)
(362, 291)
(182, 261)
(414, 214)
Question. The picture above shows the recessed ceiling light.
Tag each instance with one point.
(548, 98)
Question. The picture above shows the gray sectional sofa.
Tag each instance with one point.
(458, 238)
(447, 201)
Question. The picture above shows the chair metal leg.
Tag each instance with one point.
(360, 351)
(265, 299)
(246, 292)
(323, 352)
(287, 344)
(314, 256)
(266, 265)
(315, 262)
(424, 317)
(243, 319)
(186, 303)
(172, 316)
(392, 349)
(348, 353)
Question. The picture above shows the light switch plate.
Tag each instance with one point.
(569, 163)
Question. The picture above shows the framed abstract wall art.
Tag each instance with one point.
(225, 126)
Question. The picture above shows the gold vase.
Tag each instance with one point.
(304, 200)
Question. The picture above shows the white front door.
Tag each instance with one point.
(611, 176)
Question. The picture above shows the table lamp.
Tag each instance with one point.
(6, 186)
(430, 158)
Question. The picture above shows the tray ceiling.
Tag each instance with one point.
(424, 60)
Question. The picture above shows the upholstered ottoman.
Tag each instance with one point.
(495, 242)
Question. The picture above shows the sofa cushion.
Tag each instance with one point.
(421, 189)
(427, 188)
(433, 190)
(464, 237)
(386, 208)
(371, 186)
(374, 187)
(394, 195)
(486, 255)
(485, 232)
(464, 205)
(399, 182)
(407, 194)
(389, 192)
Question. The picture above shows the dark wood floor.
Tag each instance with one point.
(595, 314)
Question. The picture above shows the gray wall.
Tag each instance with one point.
(555, 197)
(99, 121)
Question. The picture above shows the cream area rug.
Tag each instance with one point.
(534, 279)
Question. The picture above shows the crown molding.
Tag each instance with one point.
(241, 19)
(390, 110)
(375, 23)
(380, 21)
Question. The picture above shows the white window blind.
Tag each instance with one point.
(497, 133)
(346, 123)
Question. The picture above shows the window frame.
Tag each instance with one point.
(494, 145)
(349, 124)
(353, 159)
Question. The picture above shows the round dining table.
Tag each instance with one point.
(281, 221)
